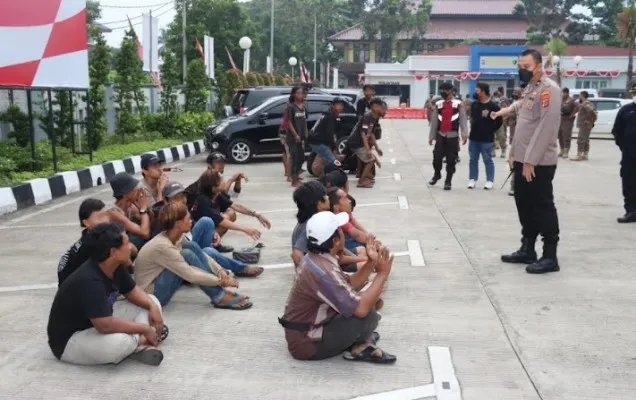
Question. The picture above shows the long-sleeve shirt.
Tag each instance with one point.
(482, 127)
(538, 120)
(624, 129)
(160, 254)
(437, 125)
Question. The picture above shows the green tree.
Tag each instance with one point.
(547, 17)
(20, 122)
(387, 19)
(128, 87)
(605, 13)
(225, 20)
(99, 69)
(170, 78)
(626, 30)
(197, 87)
(556, 47)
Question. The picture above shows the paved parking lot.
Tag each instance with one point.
(564, 336)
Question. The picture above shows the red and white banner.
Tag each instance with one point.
(199, 49)
(548, 72)
(305, 76)
(43, 43)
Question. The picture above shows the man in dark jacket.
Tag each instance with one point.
(322, 135)
(624, 132)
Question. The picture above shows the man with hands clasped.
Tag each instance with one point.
(533, 158)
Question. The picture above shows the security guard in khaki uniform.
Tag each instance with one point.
(511, 121)
(569, 109)
(534, 157)
(585, 123)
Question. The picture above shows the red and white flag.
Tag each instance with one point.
(140, 50)
(200, 49)
(305, 76)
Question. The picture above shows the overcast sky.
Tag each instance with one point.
(115, 12)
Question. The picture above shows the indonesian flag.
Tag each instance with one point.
(305, 76)
(156, 80)
(140, 50)
(200, 49)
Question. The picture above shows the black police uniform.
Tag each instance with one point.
(624, 132)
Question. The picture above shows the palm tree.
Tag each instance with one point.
(626, 30)
(556, 47)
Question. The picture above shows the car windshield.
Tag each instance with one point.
(259, 107)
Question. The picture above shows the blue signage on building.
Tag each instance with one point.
(494, 63)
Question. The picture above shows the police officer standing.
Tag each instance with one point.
(534, 158)
(624, 132)
(585, 122)
(569, 109)
(511, 121)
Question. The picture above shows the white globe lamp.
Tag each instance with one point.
(245, 43)
(293, 62)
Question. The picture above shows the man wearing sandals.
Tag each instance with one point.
(86, 326)
(325, 315)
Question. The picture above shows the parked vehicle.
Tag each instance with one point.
(575, 93)
(614, 93)
(607, 109)
(255, 131)
(247, 98)
(350, 94)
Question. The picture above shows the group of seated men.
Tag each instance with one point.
(156, 236)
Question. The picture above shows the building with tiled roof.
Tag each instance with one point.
(452, 22)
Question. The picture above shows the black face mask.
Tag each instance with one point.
(475, 96)
(444, 94)
(525, 76)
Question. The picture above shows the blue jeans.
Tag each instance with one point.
(203, 235)
(485, 149)
(351, 244)
(323, 151)
(168, 282)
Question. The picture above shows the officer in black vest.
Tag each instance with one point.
(624, 132)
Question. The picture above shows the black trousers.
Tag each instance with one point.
(341, 333)
(449, 148)
(535, 203)
(628, 177)
(296, 155)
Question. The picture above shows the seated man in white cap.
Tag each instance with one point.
(324, 315)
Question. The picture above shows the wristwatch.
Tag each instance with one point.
(143, 211)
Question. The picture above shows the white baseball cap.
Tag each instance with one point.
(323, 225)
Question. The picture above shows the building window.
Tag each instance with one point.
(591, 83)
(434, 46)
(433, 87)
(361, 53)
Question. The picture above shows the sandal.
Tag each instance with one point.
(238, 303)
(164, 333)
(251, 271)
(147, 355)
(368, 355)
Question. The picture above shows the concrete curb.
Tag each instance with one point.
(40, 190)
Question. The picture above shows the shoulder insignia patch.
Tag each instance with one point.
(545, 98)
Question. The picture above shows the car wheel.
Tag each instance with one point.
(341, 145)
(240, 151)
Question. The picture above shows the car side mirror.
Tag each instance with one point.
(263, 117)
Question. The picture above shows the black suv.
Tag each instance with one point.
(244, 99)
(255, 132)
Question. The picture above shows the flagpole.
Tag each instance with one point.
(315, 39)
(271, 41)
(184, 44)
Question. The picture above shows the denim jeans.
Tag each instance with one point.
(485, 149)
(203, 235)
(168, 282)
(323, 151)
(351, 244)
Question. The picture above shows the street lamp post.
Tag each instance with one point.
(245, 43)
(292, 62)
(577, 61)
(556, 60)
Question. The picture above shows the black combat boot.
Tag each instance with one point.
(627, 218)
(547, 263)
(525, 255)
(447, 185)
(435, 178)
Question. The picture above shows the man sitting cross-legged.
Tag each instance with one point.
(131, 199)
(325, 315)
(86, 326)
(310, 198)
(213, 203)
(162, 265)
(204, 235)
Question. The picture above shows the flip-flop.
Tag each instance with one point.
(257, 272)
(164, 333)
(368, 356)
(148, 355)
(235, 304)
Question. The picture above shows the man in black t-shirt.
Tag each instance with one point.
(361, 140)
(364, 104)
(86, 326)
(323, 134)
(91, 213)
(482, 135)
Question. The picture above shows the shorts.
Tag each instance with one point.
(363, 155)
(283, 140)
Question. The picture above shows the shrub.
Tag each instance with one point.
(20, 121)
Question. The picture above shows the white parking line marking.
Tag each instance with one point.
(397, 176)
(388, 203)
(278, 266)
(445, 385)
(393, 161)
(415, 252)
(60, 225)
(403, 202)
(444, 378)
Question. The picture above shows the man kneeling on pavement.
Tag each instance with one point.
(325, 314)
